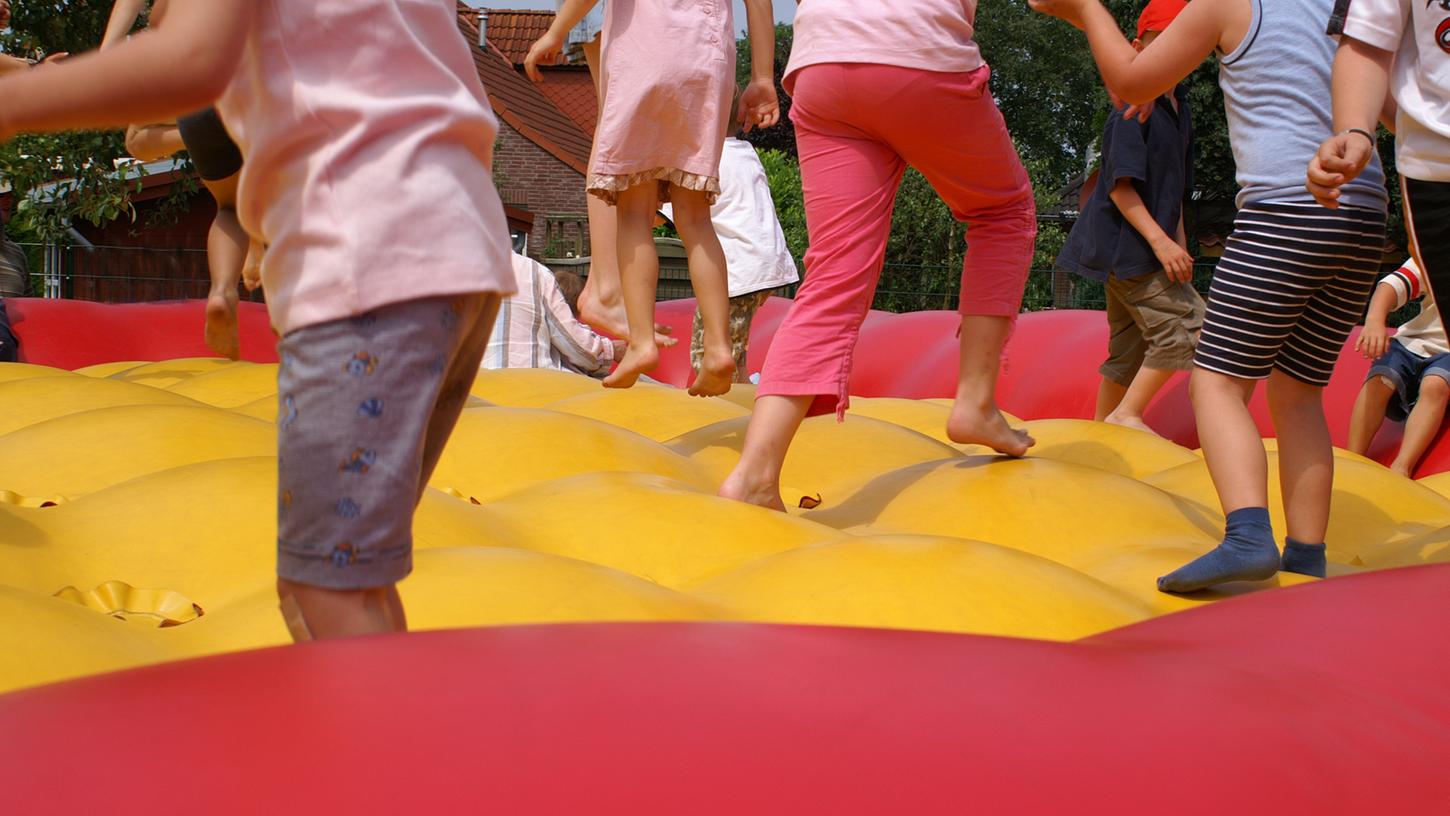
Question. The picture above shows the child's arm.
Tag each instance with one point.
(1175, 259)
(152, 142)
(759, 106)
(1141, 77)
(9, 64)
(546, 49)
(1374, 340)
(1361, 83)
(151, 77)
(123, 15)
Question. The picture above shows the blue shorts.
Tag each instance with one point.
(366, 405)
(1405, 369)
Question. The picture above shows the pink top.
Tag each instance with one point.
(368, 141)
(933, 35)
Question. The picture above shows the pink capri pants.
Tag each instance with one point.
(858, 126)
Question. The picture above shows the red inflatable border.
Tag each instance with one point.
(1049, 368)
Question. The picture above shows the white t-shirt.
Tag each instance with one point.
(756, 254)
(1418, 31)
(1424, 334)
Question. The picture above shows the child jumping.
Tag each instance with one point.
(878, 86)
(354, 116)
(1131, 238)
(218, 162)
(1294, 277)
(1410, 379)
(665, 89)
(757, 258)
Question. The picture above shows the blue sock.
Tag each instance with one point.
(1248, 553)
(1305, 559)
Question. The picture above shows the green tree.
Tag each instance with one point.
(782, 136)
(82, 165)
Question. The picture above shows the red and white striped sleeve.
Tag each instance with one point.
(1407, 281)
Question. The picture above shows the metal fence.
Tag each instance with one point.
(118, 274)
(115, 274)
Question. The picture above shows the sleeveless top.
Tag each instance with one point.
(1276, 91)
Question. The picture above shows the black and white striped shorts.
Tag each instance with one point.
(1291, 285)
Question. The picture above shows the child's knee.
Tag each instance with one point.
(1434, 389)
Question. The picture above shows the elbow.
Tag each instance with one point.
(1136, 92)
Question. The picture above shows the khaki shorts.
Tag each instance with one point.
(742, 313)
(1152, 321)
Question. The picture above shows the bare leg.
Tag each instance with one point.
(975, 419)
(601, 304)
(712, 291)
(1236, 461)
(1231, 443)
(756, 477)
(639, 268)
(1306, 456)
(1369, 413)
(1146, 384)
(315, 613)
(1422, 425)
(226, 252)
(1109, 395)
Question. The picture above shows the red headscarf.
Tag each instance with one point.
(1158, 14)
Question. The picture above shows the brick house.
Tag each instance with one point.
(545, 131)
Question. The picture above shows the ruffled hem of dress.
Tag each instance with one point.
(608, 186)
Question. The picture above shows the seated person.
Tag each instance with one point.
(571, 286)
(1410, 378)
(536, 329)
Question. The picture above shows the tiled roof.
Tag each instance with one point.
(571, 89)
(523, 106)
(514, 31)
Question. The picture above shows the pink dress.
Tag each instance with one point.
(667, 82)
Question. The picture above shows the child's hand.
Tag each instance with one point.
(759, 106)
(1068, 10)
(1141, 112)
(1374, 341)
(1338, 162)
(545, 50)
(1177, 263)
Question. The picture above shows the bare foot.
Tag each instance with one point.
(762, 494)
(1134, 422)
(717, 374)
(221, 323)
(637, 361)
(1406, 471)
(968, 426)
(611, 319)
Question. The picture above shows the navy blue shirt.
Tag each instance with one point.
(1157, 156)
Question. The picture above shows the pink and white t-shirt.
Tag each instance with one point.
(933, 35)
(1423, 334)
(368, 143)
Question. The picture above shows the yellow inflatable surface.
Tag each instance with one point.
(137, 518)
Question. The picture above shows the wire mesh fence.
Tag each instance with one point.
(117, 274)
(122, 274)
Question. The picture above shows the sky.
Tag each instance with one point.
(784, 9)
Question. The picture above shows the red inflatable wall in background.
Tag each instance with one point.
(1049, 368)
